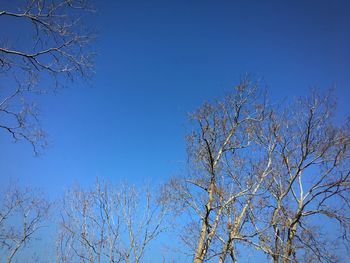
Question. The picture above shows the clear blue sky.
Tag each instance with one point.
(159, 60)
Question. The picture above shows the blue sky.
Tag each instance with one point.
(158, 61)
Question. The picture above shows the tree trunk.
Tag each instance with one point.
(289, 246)
(225, 251)
(202, 246)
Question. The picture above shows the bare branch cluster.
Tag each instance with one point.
(52, 48)
(22, 214)
(109, 224)
(264, 178)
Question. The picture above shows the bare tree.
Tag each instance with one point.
(109, 224)
(310, 184)
(50, 50)
(23, 213)
(143, 215)
(220, 178)
(89, 224)
(240, 218)
(261, 176)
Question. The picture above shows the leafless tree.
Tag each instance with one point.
(240, 218)
(143, 215)
(109, 224)
(219, 177)
(264, 177)
(89, 225)
(22, 214)
(310, 184)
(50, 49)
